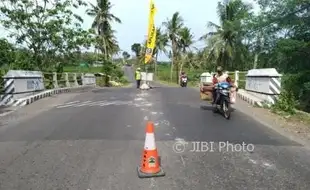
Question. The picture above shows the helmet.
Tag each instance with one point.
(219, 69)
(138, 68)
(182, 72)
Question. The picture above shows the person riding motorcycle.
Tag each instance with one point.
(183, 75)
(217, 78)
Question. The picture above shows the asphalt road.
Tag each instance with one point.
(94, 140)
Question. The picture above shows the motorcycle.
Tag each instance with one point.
(222, 102)
(183, 81)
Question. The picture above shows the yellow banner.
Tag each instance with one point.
(151, 16)
(151, 40)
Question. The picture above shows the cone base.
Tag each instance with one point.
(161, 173)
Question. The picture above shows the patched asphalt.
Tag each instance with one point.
(94, 140)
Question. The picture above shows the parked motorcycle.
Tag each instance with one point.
(183, 82)
(222, 102)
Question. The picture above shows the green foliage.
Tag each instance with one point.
(299, 86)
(126, 55)
(105, 39)
(136, 48)
(49, 30)
(118, 73)
(286, 103)
(101, 81)
(123, 80)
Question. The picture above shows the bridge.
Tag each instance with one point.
(79, 136)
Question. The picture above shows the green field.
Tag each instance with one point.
(163, 74)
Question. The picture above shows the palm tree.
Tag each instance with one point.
(173, 27)
(186, 40)
(142, 52)
(161, 44)
(102, 23)
(223, 41)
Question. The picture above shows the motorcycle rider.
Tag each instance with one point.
(183, 75)
(220, 76)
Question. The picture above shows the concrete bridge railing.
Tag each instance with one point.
(22, 87)
(256, 86)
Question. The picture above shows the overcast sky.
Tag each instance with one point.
(134, 16)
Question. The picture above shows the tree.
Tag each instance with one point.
(186, 40)
(105, 40)
(136, 49)
(160, 47)
(103, 18)
(7, 51)
(47, 29)
(173, 27)
(226, 40)
(286, 26)
(126, 55)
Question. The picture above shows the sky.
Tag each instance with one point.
(134, 16)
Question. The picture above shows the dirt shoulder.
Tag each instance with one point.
(295, 127)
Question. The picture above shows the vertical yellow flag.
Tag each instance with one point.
(151, 37)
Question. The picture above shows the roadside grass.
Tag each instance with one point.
(298, 117)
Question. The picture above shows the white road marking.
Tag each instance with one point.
(95, 103)
(106, 104)
(71, 102)
(139, 99)
(82, 104)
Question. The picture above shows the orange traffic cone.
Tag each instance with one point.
(150, 166)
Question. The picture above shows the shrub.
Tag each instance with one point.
(123, 80)
(286, 103)
(299, 86)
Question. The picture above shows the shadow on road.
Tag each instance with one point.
(210, 108)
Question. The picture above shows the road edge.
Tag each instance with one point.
(25, 101)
